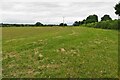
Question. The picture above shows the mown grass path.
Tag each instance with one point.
(57, 52)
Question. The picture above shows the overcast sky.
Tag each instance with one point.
(52, 12)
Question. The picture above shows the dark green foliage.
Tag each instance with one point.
(62, 24)
(119, 24)
(106, 17)
(89, 19)
(77, 23)
(117, 8)
(92, 19)
(83, 22)
(17, 25)
(109, 24)
(90, 24)
(38, 24)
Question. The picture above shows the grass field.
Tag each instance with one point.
(57, 52)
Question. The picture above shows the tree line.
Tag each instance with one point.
(37, 24)
(40, 24)
(91, 19)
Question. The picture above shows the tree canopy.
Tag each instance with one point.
(76, 23)
(38, 24)
(117, 8)
(105, 18)
(91, 19)
(62, 24)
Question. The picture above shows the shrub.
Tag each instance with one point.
(109, 24)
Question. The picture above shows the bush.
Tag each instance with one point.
(109, 24)
(62, 24)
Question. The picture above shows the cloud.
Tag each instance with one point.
(52, 12)
(59, 0)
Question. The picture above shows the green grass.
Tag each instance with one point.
(57, 52)
(0, 52)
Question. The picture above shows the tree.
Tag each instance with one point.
(76, 23)
(83, 22)
(38, 24)
(117, 8)
(61, 24)
(106, 17)
(91, 19)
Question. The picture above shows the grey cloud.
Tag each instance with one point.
(52, 12)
